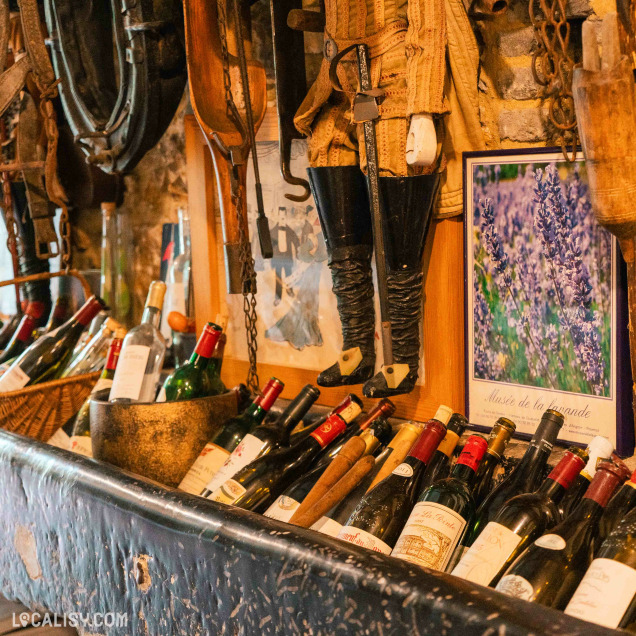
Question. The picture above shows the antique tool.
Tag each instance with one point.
(605, 101)
(291, 86)
(209, 42)
(117, 109)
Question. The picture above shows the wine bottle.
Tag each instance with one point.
(378, 519)
(498, 439)
(264, 438)
(384, 408)
(216, 362)
(8, 329)
(23, 335)
(228, 437)
(287, 503)
(525, 477)
(191, 380)
(142, 354)
(93, 330)
(93, 356)
(598, 449)
(549, 571)
(60, 313)
(518, 523)
(607, 593)
(80, 441)
(442, 514)
(333, 520)
(45, 358)
(291, 498)
(619, 505)
(439, 466)
(257, 485)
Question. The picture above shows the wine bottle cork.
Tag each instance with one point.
(401, 445)
(335, 494)
(338, 467)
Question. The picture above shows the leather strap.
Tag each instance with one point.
(12, 80)
(5, 29)
(36, 49)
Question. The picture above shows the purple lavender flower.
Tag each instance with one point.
(493, 243)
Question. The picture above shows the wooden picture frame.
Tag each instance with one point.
(443, 308)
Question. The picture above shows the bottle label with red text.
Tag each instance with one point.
(228, 493)
(82, 445)
(363, 539)
(60, 439)
(129, 376)
(604, 594)
(209, 461)
(483, 560)
(283, 508)
(246, 452)
(430, 536)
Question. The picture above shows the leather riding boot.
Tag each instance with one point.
(342, 203)
(408, 204)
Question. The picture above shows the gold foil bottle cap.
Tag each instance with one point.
(111, 324)
(120, 334)
(156, 293)
(500, 436)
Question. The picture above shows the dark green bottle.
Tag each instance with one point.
(191, 380)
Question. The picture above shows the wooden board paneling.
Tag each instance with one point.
(443, 324)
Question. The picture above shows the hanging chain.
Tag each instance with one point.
(248, 275)
(552, 67)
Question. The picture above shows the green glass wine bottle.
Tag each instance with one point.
(191, 380)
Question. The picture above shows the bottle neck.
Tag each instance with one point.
(463, 473)
(184, 235)
(531, 465)
(151, 316)
(552, 490)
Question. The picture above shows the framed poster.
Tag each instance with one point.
(546, 313)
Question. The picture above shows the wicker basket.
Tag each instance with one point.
(39, 410)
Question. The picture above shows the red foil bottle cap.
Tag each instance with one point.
(333, 426)
(428, 441)
(473, 451)
(609, 476)
(207, 340)
(113, 354)
(25, 328)
(35, 308)
(89, 310)
(384, 408)
(567, 470)
(270, 393)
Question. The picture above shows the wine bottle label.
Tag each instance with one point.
(129, 376)
(327, 526)
(483, 560)
(403, 470)
(5, 367)
(211, 458)
(551, 542)
(364, 539)
(430, 535)
(246, 452)
(102, 384)
(329, 430)
(228, 493)
(604, 594)
(13, 379)
(447, 445)
(517, 586)
(283, 508)
(82, 445)
(162, 394)
(60, 439)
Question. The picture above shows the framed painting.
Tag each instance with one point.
(546, 312)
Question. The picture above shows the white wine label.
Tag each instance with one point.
(162, 394)
(551, 542)
(60, 439)
(604, 594)
(102, 384)
(483, 560)
(82, 445)
(430, 536)
(210, 459)
(246, 452)
(13, 379)
(327, 526)
(282, 509)
(517, 586)
(364, 539)
(404, 470)
(228, 493)
(129, 376)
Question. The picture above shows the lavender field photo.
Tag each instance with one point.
(542, 279)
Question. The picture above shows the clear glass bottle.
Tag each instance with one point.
(109, 240)
(142, 354)
(93, 356)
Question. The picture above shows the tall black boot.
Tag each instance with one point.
(408, 205)
(342, 202)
